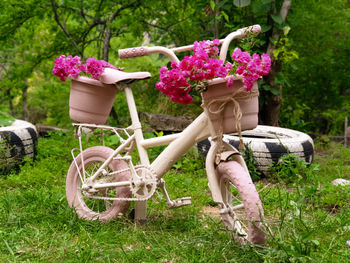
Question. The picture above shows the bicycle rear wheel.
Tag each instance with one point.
(242, 212)
(86, 206)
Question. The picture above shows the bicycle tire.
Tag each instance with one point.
(75, 196)
(247, 226)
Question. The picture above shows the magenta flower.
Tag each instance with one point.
(94, 67)
(251, 68)
(204, 65)
(71, 67)
(66, 66)
(230, 82)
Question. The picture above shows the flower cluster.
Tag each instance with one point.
(71, 67)
(251, 68)
(200, 67)
(194, 71)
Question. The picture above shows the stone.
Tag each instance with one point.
(340, 181)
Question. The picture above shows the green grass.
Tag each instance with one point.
(308, 216)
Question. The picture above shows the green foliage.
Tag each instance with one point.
(321, 39)
(248, 157)
(193, 160)
(48, 101)
(5, 118)
(313, 49)
(296, 116)
(284, 52)
(308, 223)
(291, 170)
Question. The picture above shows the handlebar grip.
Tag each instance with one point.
(133, 52)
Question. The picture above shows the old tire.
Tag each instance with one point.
(17, 141)
(269, 143)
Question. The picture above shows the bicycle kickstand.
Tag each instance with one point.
(173, 203)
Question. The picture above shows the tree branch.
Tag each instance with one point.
(108, 34)
(64, 28)
(164, 28)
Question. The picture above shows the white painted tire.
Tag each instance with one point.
(269, 143)
(17, 141)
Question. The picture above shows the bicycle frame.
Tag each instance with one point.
(178, 144)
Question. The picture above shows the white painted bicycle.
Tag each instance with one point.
(102, 181)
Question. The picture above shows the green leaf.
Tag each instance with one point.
(272, 40)
(212, 5)
(241, 3)
(286, 30)
(225, 16)
(277, 19)
(265, 28)
(275, 91)
(221, 4)
(259, 7)
(316, 242)
(266, 1)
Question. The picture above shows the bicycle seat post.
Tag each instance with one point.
(140, 206)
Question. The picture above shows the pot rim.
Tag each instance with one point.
(221, 80)
(91, 81)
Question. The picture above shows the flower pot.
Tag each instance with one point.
(231, 109)
(90, 100)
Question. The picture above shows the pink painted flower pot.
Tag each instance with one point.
(90, 100)
(223, 104)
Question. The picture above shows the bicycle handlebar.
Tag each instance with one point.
(145, 51)
(133, 52)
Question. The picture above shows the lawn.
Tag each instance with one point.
(309, 218)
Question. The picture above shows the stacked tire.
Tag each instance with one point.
(17, 141)
(269, 143)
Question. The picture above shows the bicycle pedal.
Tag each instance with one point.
(179, 202)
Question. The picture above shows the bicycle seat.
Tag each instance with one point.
(111, 76)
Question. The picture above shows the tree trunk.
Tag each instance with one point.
(25, 102)
(216, 22)
(8, 93)
(106, 44)
(270, 112)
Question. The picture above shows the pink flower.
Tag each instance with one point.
(228, 66)
(229, 82)
(66, 66)
(71, 67)
(241, 57)
(216, 42)
(105, 64)
(94, 67)
(174, 64)
(266, 64)
(204, 65)
(240, 70)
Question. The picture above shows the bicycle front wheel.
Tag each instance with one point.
(242, 210)
(87, 205)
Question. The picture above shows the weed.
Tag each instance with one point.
(248, 157)
(291, 169)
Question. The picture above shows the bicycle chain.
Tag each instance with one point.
(129, 199)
